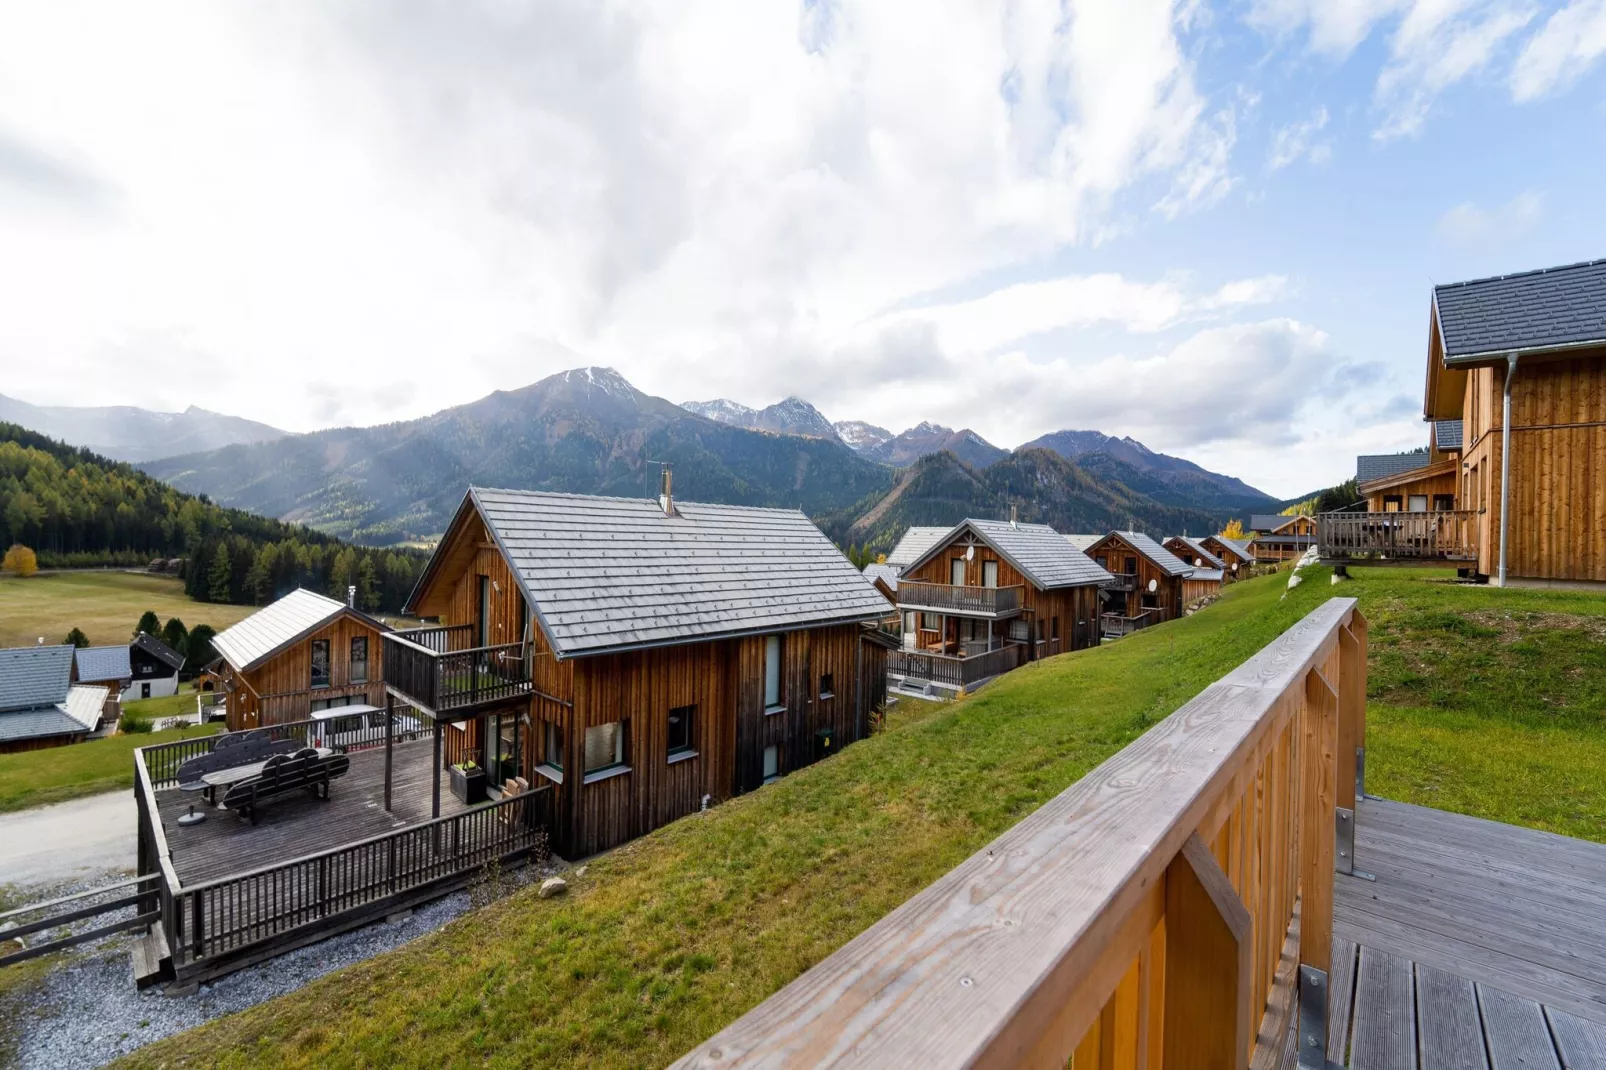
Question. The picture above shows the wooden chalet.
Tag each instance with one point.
(1203, 559)
(145, 667)
(1280, 538)
(1147, 585)
(40, 706)
(1510, 485)
(644, 659)
(987, 597)
(1237, 554)
(295, 657)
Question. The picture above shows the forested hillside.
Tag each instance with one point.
(78, 509)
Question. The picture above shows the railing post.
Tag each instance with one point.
(1319, 788)
(1351, 742)
(1208, 965)
(198, 925)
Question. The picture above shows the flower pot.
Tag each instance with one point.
(468, 784)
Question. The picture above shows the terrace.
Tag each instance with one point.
(440, 670)
(1446, 537)
(994, 602)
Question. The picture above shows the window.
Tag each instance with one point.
(827, 685)
(772, 673)
(956, 572)
(1019, 629)
(680, 730)
(989, 573)
(772, 763)
(1418, 503)
(1443, 503)
(930, 622)
(605, 747)
(1103, 562)
(554, 745)
(909, 621)
(1391, 503)
(358, 670)
(1131, 566)
(1054, 629)
(320, 663)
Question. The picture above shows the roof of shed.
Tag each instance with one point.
(159, 650)
(97, 663)
(1163, 559)
(278, 624)
(914, 544)
(1210, 559)
(1037, 551)
(1447, 434)
(34, 676)
(1380, 465)
(1560, 306)
(609, 573)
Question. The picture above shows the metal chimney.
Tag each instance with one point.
(1014, 516)
(351, 596)
(666, 496)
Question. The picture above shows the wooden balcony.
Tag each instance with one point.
(962, 601)
(1121, 581)
(1397, 538)
(440, 671)
(948, 670)
(1114, 625)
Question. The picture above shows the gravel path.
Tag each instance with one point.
(68, 841)
(88, 1012)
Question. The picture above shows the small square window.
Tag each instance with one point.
(827, 685)
(772, 763)
(605, 746)
(680, 729)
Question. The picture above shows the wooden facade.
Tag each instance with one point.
(1227, 553)
(279, 689)
(1188, 554)
(1196, 588)
(833, 678)
(1133, 599)
(1288, 542)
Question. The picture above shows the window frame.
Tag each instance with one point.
(351, 660)
(828, 685)
(777, 642)
(688, 749)
(312, 665)
(956, 567)
(766, 776)
(621, 749)
(551, 763)
(989, 574)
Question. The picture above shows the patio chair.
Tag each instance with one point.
(286, 774)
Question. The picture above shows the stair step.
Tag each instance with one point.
(153, 961)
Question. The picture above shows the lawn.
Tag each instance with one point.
(35, 777)
(106, 605)
(1482, 700)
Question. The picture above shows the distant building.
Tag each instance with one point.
(39, 705)
(1147, 582)
(146, 667)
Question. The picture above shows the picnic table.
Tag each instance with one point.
(224, 778)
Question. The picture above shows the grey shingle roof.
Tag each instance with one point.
(1447, 434)
(1241, 545)
(914, 544)
(78, 711)
(159, 650)
(34, 676)
(1083, 542)
(267, 630)
(609, 573)
(100, 663)
(1210, 560)
(1380, 465)
(1040, 553)
(1533, 310)
(1267, 521)
(887, 574)
(1207, 575)
(1164, 559)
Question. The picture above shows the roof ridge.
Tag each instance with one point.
(679, 502)
(1519, 275)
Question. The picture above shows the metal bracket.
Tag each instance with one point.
(1344, 844)
(1312, 1018)
(1360, 772)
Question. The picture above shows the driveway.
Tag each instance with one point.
(69, 841)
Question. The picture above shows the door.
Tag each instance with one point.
(956, 572)
(145, 690)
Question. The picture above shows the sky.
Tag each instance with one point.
(1212, 227)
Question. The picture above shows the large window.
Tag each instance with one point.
(358, 669)
(681, 737)
(773, 648)
(553, 745)
(956, 572)
(605, 747)
(930, 622)
(1418, 503)
(989, 573)
(320, 663)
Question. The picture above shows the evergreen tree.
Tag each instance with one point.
(219, 577)
(175, 635)
(149, 623)
(368, 592)
(198, 647)
(76, 638)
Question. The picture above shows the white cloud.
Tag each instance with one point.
(1477, 229)
(1335, 27)
(1297, 141)
(1567, 45)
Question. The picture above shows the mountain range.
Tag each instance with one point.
(127, 433)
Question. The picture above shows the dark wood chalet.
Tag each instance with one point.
(1237, 554)
(1280, 538)
(1147, 586)
(298, 656)
(988, 596)
(1194, 552)
(644, 659)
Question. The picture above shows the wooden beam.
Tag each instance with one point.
(1319, 791)
(1208, 965)
(1351, 713)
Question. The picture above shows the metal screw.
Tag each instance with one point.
(965, 982)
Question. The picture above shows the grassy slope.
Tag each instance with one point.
(36, 777)
(106, 605)
(677, 934)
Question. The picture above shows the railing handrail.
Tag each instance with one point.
(962, 657)
(1009, 957)
(454, 653)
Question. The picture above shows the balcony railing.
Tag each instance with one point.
(1441, 536)
(1121, 581)
(438, 670)
(951, 598)
(955, 671)
(1114, 625)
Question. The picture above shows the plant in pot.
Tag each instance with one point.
(468, 782)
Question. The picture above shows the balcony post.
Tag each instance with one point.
(390, 738)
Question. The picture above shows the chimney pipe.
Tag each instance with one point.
(666, 496)
(1014, 516)
(351, 596)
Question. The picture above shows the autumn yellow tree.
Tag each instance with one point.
(1233, 530)
(21, 560)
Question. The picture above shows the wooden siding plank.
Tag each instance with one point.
(1385, 1013)
(1518, 1036)
(1448, 1019)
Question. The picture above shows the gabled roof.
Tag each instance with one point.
(1210, 559)
(1447, 434)
(1378, 465)
(1448, 466)
(1083, 542)
(98, 664)
(915, 542)
(1163, 559)
(1259, 522)
(606, 574)
(279, 624)
(1037, 552)
(887, 574)
(159, 650)
(78, 712)
(1240, 545)
(34, 676)
(1554, 308)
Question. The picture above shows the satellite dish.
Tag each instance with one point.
(1154, 585)
(1235, 566)
(970, 553)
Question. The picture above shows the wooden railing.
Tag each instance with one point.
(161, 760)
(1447, 536)
(1164, 911)
(60, 920)
(431, 668)
(949, 598)
(953, 671)
(1121, 581)
(1117, 625)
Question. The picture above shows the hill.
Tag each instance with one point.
(585, 431)
(126, 433)
(1160, 476)
(925, 439)
(76, 509)
(940, 489)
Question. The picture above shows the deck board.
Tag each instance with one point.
(1581, 1044)
(1448, 1019)
(1384, 1035)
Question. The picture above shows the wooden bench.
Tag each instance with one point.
(232, 750)
(284, 774)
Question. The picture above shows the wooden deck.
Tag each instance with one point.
(298, 825)
(1479, 945)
